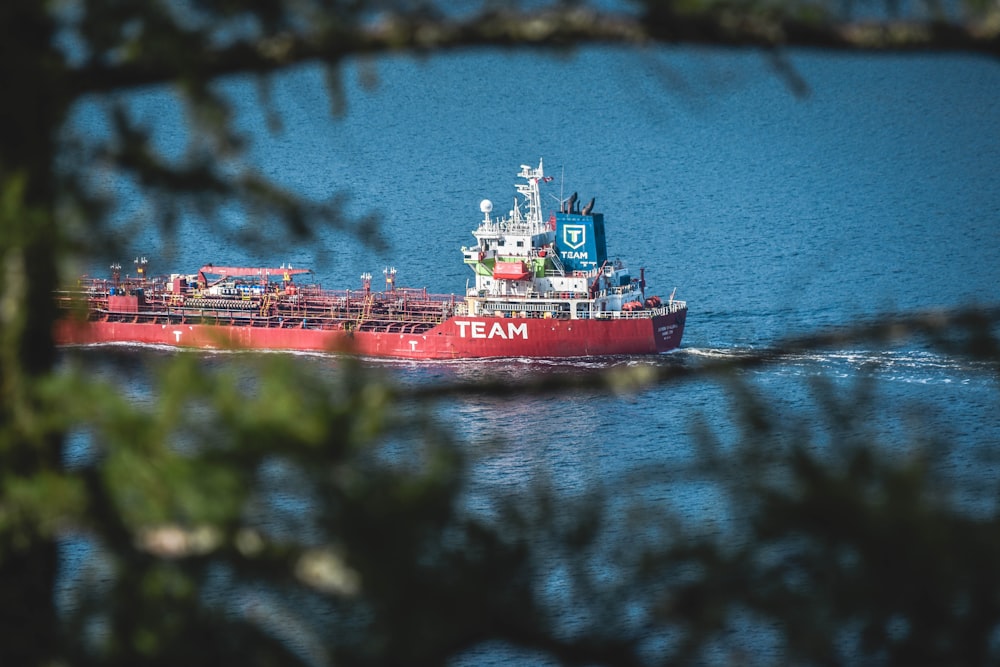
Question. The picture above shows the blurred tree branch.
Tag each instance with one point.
(967, 332)
(720, 24)
(189, 558)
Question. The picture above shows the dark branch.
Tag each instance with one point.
(563, 29)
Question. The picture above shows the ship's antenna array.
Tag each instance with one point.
(529, 190)
(562, 181)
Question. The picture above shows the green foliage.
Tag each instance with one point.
(254, 511)
(275, 514)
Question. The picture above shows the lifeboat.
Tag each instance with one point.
(510, 271)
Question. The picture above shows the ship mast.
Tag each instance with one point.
(529, 190)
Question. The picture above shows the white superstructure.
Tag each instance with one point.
(518, 265)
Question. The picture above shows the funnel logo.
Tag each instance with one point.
(574, 236)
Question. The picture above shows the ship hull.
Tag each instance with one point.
(455, 338)
(543, 288)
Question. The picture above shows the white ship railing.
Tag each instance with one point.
(535, 308)
(509, 226)
(665, 309)
(522, 306)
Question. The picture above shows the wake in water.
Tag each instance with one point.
(895, 365)
(906, 365)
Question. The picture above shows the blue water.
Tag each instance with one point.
(772, 215)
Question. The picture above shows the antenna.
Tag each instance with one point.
(562, 180)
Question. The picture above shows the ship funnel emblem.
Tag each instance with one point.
(574, 236)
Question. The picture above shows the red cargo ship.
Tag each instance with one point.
(544, 288)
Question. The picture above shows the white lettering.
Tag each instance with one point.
(478, 330)
(177, 336)
(413, 346)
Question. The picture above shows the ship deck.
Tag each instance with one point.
(403, 310)
(400, 310)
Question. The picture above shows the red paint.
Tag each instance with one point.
(511, 337)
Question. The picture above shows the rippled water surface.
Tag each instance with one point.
(770, 214)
